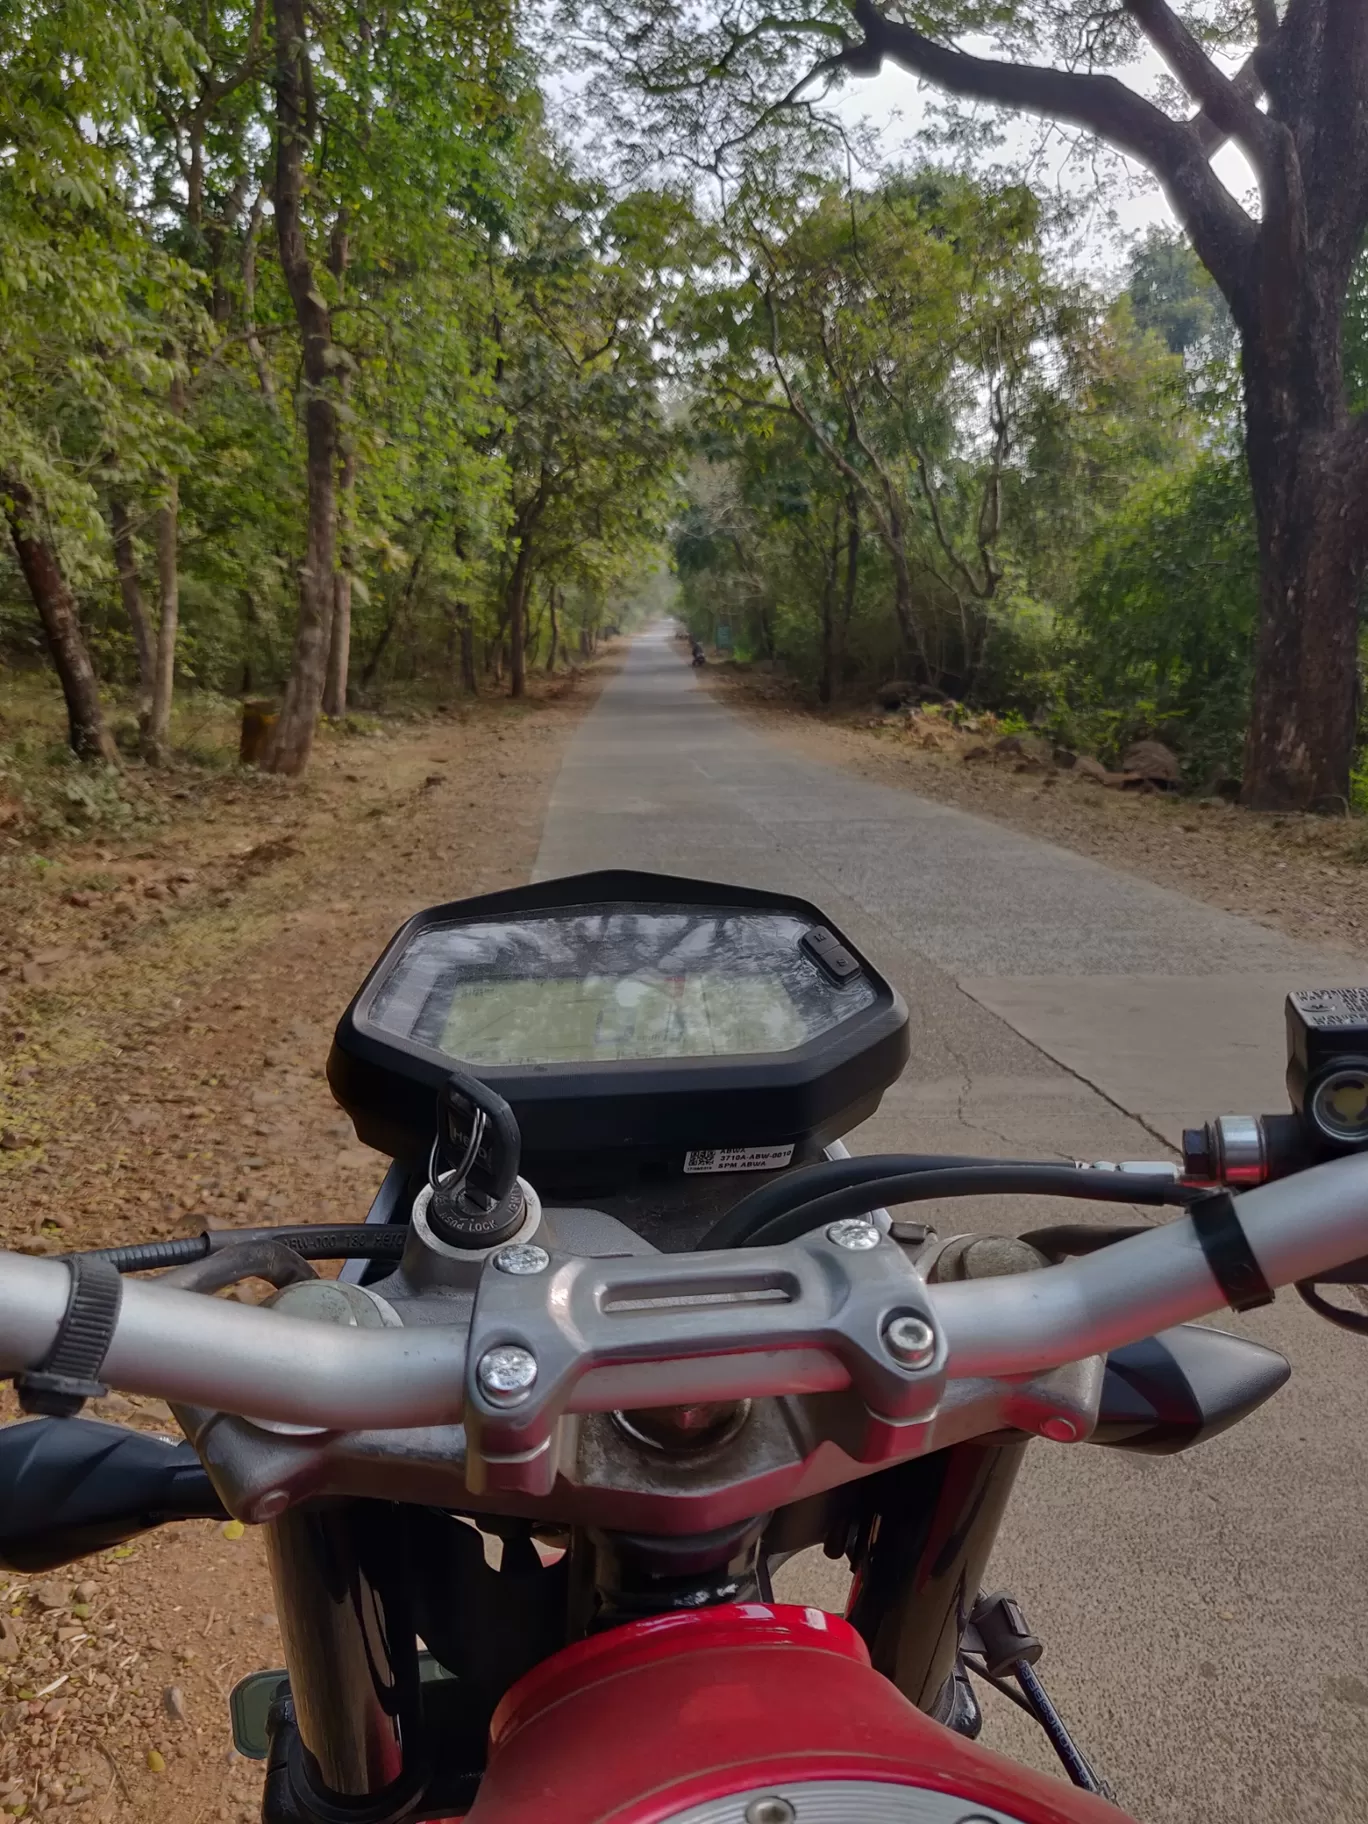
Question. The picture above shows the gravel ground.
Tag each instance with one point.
(167, 1007)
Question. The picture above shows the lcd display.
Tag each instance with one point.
(601, 984)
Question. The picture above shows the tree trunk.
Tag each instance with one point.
(518, 585)
(61, 624)
(339, 636)
(292, 738)
(831, 560)
(555, 630)
(852, 581)
(339, 647)
(130, 593)
(1310, 490)
(1303, 722)
(339, 633)
(470, 682)
(156, 732)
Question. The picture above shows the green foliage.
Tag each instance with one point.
(1172, 294)
(1356, 336)
(496, 327)
(1162, 621)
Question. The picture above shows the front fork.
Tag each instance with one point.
(920, 1556)
(341, 1590)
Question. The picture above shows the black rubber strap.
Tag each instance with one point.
(68, 1374)
(1228, 1252)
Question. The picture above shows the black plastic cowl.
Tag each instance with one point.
(1184, 1385)
(69, 1487)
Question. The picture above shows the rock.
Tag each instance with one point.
(12, 1142)
(1009, 744)
(1064, 756)
(9, 1639)
(173, 1702)
(52, 1595)
(1154, 763)
(979, 751)
(1085, 767)
(87, 1592)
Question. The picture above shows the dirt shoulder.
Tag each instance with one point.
(1306, 876)
(168, 1003)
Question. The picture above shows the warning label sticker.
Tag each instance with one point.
(738, 1159)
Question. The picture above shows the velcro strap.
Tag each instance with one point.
(1228, 1252)
(68, 1374)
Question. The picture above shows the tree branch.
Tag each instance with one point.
(1218, 97)
(1224, 236)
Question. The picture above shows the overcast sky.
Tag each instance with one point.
(894, 104)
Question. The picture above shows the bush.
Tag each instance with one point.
(1159, 636)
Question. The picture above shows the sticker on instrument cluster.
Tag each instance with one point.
(738, 1159)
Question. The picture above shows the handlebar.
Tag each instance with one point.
(608, 1332)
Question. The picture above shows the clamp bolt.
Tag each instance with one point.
(506, 1375)
(910, 1341)
(854, 1232)
(522, 1257)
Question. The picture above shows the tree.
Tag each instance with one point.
(1172, 294)
(896, 326)
(1285, 274)
(80, 287)
(578, 309)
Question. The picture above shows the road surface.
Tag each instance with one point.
(1205, 1616)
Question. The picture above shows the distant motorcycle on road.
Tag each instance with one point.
(700, 658)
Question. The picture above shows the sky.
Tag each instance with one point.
(894, 105)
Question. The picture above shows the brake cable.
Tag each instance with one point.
(972, 1181)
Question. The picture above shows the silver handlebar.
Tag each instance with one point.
(824, 1321)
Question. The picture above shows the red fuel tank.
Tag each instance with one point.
(753, 1713)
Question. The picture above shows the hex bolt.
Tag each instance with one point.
(854, 1232)
(506, 1375)
(770, 1810)
(522, 1257)
(271, 1505)
(910, 1341)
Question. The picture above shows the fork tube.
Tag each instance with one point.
(350, 1647)
(924, 1557)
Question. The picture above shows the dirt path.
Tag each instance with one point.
(166, 1007)
(1302, 875)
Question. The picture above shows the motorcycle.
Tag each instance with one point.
(625, 1329)
(700, 658)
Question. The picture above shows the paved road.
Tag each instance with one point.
(1206, 1616)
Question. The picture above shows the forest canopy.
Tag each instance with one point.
(330, 368)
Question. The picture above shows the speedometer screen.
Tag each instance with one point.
(593, 984)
